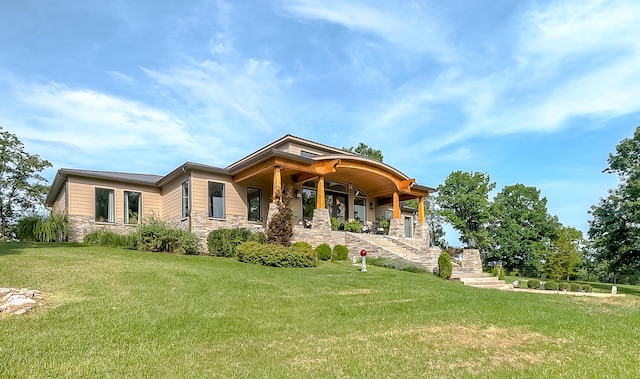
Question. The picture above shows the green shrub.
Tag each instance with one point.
(302, 244)
(276, 255)
(445, 268)
(587, 288)
(533, 283)
(384, 223)
(340, 253)
(353, 226)
(156, 236)
(323, 251)
(395, 263)
(27, 227)
(575, 287)
(553, 286)
(498, 271)
(54, 228)
(563, 286)
(103, 237)
(223, 242)
(335, 224)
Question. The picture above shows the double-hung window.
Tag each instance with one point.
(216, 200)
(132, 207)
(105, 211)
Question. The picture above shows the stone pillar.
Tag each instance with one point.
(396, 227)
(273, 209)
(471, 261)
(321, 220)
(421, 233)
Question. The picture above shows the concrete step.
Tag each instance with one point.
(480, 279)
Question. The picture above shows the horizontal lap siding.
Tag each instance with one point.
(235, 195)
(172, 198)
(82, 197)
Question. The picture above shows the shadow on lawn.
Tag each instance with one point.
(7, 248)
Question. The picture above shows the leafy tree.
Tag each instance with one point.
(521, 229)
(464, 199)
(615, 227)
(366, 151)
(566, 255)
(22, 188)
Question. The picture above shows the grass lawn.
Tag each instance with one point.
(122, 313)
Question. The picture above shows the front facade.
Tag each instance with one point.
(327, 183)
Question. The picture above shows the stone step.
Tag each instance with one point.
(481, 279)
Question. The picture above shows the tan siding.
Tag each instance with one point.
(172, 198)
(296, 149)
(235, 195)
(82, 197)
(60, 204)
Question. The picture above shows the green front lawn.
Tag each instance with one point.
(124, 313)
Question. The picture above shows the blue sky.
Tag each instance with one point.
(531, 92)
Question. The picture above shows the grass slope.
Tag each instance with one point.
(121, 313)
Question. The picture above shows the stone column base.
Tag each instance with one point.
(396, 227)
(321, 220)
(421, 233)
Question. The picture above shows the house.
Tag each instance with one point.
(327, 181)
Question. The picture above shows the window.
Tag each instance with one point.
(104, 205)
(216, 200)
(254, 204)
(132, 207)
(309, 198)
(185, 199)
(360, 209)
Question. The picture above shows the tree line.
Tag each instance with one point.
(515, 229)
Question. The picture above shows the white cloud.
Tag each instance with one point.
(95, 121)
(408, 26)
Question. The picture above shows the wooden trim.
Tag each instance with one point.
(320, 194)
(421, 209)
(396, 205)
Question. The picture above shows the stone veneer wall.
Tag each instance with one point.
(80, 226)
(471, 262)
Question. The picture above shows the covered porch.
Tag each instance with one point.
(343, 187)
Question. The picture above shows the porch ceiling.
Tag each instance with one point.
(376, 180)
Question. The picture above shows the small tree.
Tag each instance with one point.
(22, 188)
(445, 268)
(280, 227)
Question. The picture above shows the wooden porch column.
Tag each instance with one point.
(421, 209)
(277, 183)
(396, 205)
(320, 194)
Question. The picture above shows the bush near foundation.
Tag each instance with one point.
(223, 242)
(353, 226)
(302, 244)
(104, 237)
(276, 255)
(156, 236)
(340, 253)
(323, 251)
